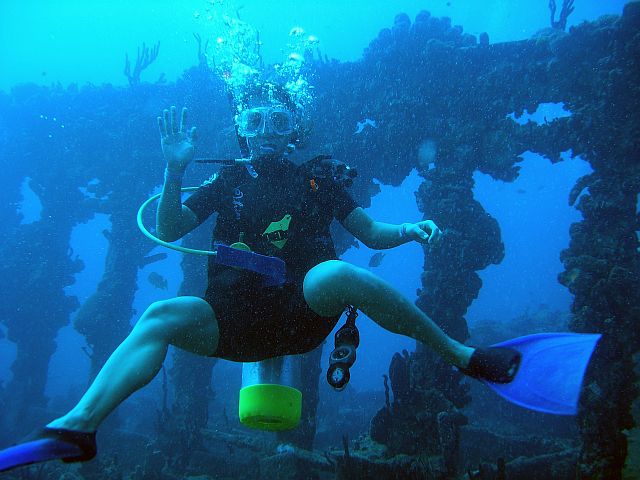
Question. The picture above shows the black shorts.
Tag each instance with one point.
(257, 322)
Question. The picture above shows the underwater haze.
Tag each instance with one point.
(79, 42)
(513, 128)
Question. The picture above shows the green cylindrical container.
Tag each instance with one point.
(269, 399)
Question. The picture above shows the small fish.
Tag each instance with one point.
(360, 125)
(521, 190)
(158, 281)
(376, 259)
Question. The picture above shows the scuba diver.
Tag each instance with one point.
(277, 209)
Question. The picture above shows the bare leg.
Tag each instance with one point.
(331, 285)
(185, 322)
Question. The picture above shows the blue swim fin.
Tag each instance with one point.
(549, 376)
(49, 444)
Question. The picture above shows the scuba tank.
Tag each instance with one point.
(270, 397)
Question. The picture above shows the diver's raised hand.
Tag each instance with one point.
(177, 143)
(424, 232)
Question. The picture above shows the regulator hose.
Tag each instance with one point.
(150, 236)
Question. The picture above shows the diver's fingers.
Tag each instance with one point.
(423, 232)
(162, 128)
(429, 226)
(183, 119)
(174, 119)
(436, 236)
(432, 225)
(167, 123)
(416, 232)
(193, 136)
(429, 231)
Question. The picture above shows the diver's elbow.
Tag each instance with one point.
(375, 245)
(373, 238)
(166, 236)
(369, 241)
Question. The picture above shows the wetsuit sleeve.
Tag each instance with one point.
(207, 199)
(343, 203)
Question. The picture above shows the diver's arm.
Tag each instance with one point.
(174, 220)
(373, 234)
(379, 235)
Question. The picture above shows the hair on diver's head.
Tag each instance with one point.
(267, 92)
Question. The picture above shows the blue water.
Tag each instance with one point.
(79, 42)
(71, 41)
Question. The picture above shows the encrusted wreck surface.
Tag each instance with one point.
(429, 82)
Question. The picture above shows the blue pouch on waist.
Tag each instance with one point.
(273, 269)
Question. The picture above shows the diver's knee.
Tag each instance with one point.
(327, 272)
(158, 318)
(316, 279)
(159, 309)
(322, 286)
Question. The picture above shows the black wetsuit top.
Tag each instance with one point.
(295, 210)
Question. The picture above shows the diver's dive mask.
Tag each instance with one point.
(254, 121)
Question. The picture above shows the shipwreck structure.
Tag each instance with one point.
(424, 80)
